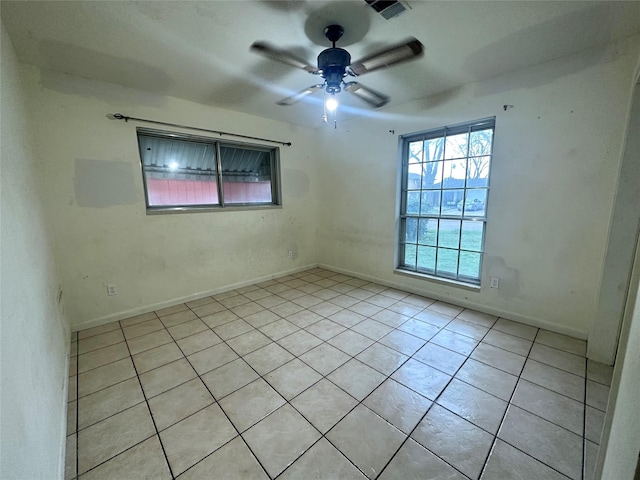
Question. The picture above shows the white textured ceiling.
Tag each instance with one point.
(200, 50)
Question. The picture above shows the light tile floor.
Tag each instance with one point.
(322, 375)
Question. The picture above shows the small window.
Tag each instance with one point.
(183, 172)
(443, 200)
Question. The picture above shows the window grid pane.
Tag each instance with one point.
(426, 259)
(444, 195)
(409, 256)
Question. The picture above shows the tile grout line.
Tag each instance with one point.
(518, 376)
(504, 415)
(239, 434)
(144, 393)
(468, 356)
(146, 401)
(322, 435)
(216, 401)
(584, 424)
(323, 341)
(550, 389)
(77, 405)
(322, 317)
(287, 402)
(359, 402)
(128, 408)
(433, 402)
(262, 376)
(508, 402)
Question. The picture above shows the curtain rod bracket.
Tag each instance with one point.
(119, 116)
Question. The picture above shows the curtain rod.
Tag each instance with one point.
(119, 116)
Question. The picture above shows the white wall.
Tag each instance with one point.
(620, 444)
(35, 334)
(625, 218)
(557, 155)
(95, 194)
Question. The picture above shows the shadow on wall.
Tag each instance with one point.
(296, 183)
(283, 5)
(240, 91)
(439, 99)
(111, 70)
(347, 14)
(530, 45)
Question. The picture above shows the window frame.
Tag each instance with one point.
(404, 142)
(275, 180)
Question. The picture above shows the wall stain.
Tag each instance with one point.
(509, 276)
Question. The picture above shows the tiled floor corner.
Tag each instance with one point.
(322, 375)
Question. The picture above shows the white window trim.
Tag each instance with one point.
(403, 145)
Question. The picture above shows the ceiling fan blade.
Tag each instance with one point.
(403, 52)
(373, 98)
(282, 56)
(300, 95)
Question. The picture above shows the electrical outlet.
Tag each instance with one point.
(112, 290)
(495, 282)
(290, 254)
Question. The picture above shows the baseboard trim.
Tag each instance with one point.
(64, 402)
(188, 298)
(532, 321)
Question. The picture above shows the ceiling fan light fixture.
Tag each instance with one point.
(331, 103)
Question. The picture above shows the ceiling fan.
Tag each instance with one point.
(334, 64)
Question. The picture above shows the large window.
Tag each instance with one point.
(443, 200)
(183, 172)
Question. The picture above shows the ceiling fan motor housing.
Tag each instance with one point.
(333, 63)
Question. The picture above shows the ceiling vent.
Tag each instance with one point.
(387, 8)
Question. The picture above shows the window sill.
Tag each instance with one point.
(173, 210)
(445, 281)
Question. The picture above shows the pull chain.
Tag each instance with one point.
(324, 106)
